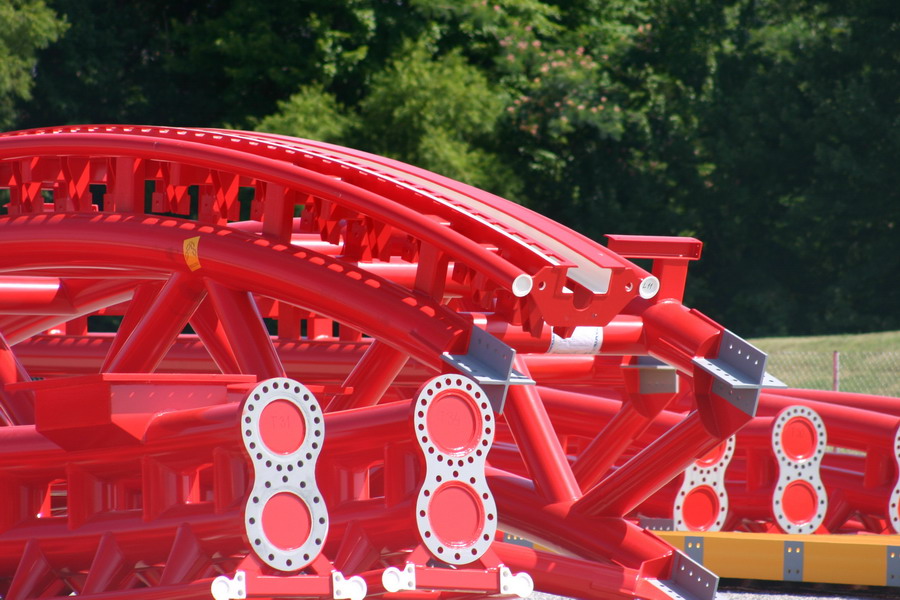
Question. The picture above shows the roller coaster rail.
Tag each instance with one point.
(335, 375)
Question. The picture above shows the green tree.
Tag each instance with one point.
(28, 26)
(431, 111)
(311, 113)
(802, 125)
(767, 129)
(109, 67)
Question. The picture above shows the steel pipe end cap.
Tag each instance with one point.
(649, 287)
(522, 285)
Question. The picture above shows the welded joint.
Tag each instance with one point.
(738, 371)
(394, 580)
(229, 588)
(354, 588)
(688, 580)
(490, 363)
(519, 584)
(793, 561)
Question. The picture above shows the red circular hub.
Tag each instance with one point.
(799, 502)
(799, 438)
(282, 427)
(713, 456)
(456, 514)
(454, 422)
(701, 508)
(286, 521)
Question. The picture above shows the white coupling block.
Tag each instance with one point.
(354, 588)
(226, 588)
(395, 580)
(520, 584)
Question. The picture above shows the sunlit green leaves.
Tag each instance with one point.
(26, 26)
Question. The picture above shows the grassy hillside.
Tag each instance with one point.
(868, 363)
(886, 341)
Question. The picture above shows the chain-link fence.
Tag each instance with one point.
(862, 372)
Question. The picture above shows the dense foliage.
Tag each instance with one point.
(767, 128)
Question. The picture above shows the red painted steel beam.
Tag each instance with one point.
(281, 172)
(245, 262)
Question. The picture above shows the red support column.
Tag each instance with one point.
(371, 377)
(540, 448)
(250, 340)
(656, 465)
(156, 332)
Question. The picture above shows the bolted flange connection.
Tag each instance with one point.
(702, 501)
(894, 501)
(285, 517)
(455, 511)
(798, 440)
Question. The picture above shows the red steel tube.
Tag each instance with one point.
(649, 470)
(882, 404)
(530, 426)
(245, 331)
(34, 296)
(571, 577)
(156, 332)
(271, 170)
(245, 263)
(522, 509)
(371, 377)
(847, 426)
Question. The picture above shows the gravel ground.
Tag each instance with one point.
(759, 595)
(749, 595)
(773, 592)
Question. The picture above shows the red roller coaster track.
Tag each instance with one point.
(333, 374)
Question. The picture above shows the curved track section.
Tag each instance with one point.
(157, 284)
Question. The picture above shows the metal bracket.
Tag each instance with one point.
(892, 556)
(395, 580)
(770, 381)
(490, 363)
(520, 584)
(738, 371)
(227, 588)
(354, 588)
(689, 580)
(509, 538)
(656, 523)
(693, 547)
(793, 561)
(656, 377)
